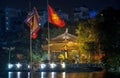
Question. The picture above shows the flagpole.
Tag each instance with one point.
(30, 40)
(31, 75)
(48, 35)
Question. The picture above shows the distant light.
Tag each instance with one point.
(52, 65)
(40, 24)
(18, 65)
(7, 28)
(92, 14)
(28, 66)
(10, 66)
(101, 14)
(42, 66)
(63, 65)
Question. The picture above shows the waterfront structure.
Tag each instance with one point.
(65, 47)
(61, 45)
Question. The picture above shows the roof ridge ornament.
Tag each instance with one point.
(66, 30)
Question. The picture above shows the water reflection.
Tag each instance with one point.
(9, 74)
(43, 74)
(52, 74)
(28, 74)
(64, 75)
(18, 74)
(56, 75)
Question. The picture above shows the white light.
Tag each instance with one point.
(39, 23)
(10, 66)
(28, 66)
(63, 65)
(18, 65)
(52, 65)
(42, 66)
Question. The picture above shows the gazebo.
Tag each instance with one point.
(62, 43)
(66, 46)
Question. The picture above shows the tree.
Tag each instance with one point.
(88, 37)
(109, 29)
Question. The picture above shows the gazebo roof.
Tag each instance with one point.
(64, 37)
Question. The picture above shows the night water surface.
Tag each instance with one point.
(59, 75)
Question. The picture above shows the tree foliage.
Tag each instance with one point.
(87, 36)
(109, 37)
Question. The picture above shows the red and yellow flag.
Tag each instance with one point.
(32, 21)
(54, 18)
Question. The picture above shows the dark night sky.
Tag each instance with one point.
(65, 5)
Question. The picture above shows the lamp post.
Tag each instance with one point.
(9, 49)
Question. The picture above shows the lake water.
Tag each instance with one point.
(58, 75)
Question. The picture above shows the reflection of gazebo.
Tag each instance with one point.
(64, 42)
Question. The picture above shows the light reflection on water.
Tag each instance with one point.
(18, 74)
(28, 74)
(56, 75)
(63, 75)
(52, 74)
(43, 74)
(9, 75)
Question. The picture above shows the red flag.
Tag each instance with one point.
(54, 18)
(32, 21)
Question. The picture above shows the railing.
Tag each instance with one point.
(58, 67)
